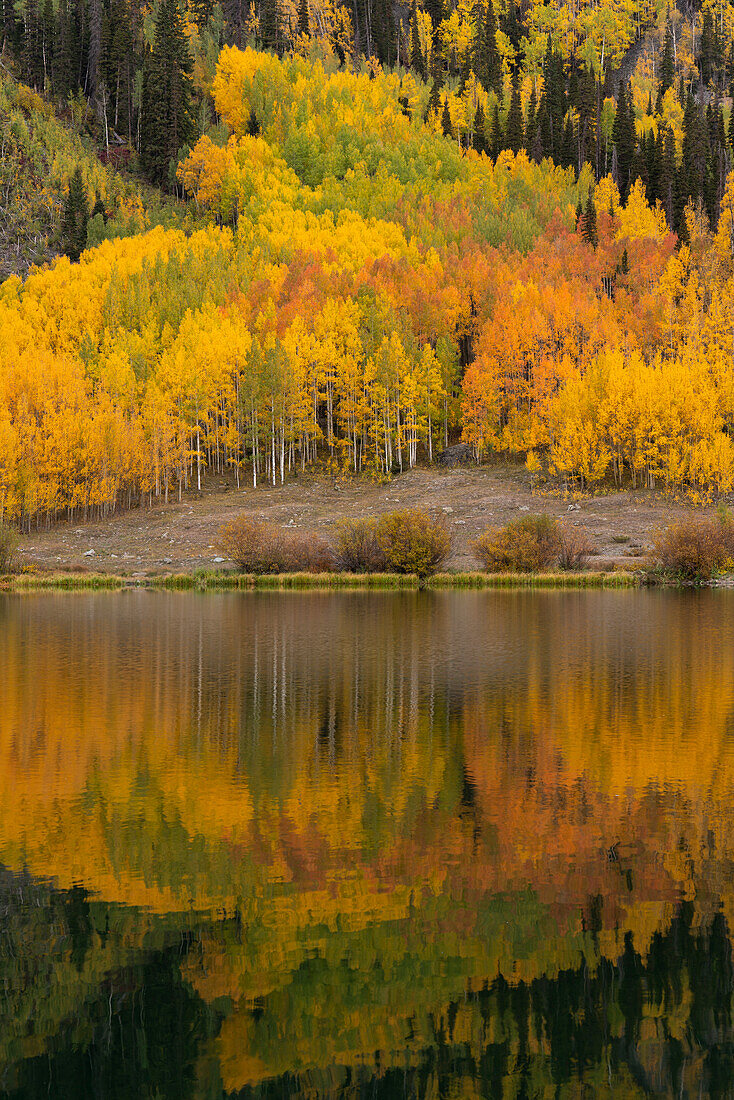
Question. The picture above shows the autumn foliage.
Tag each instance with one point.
(259, 547)
(413, 541)
(695, 549)
(369, 293)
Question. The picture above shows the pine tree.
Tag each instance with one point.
(446, 127)
(531, 128)
(695, 148)
(434, 99)
(588, 231)
(666, 186)
(625, 142)
(75, 219)
(271, 35)
(708, 48)
(166, 123)
(417, 63)
(515, 136)
(667, 65)
(303, 23)
(489, 65)
(436, 12)
(480, 130)
(497, 144)
(568, 149)
(555, 101)
(383, 32)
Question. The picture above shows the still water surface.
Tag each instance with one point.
(400, 845)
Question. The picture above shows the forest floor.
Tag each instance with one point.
(182, 537)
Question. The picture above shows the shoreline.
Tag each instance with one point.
(247, 582)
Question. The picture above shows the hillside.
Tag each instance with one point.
(348, 286)
(40, 152)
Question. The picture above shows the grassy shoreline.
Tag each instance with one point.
(242, 582)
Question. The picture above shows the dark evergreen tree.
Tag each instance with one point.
(166, 123)
(383, 32)
(585, 103)
(681, 194)
(271, 34)
(695, 148)
(446, 127)
(488, 64)
(515, 135)
(512, 27)
(436, 11)
(417, 63)
(480, 130)
(544, 140)
(555, 101)
(579, 212)
(75, 219)
(707, 56)
(588, 231)
(625, 142)
(497, 144)
(667, 64)
(67, 60)
(666, 185)
(32, 60)
(568, 148)
(99, 207)
(303, 20)
(434, 99)
(531, 127)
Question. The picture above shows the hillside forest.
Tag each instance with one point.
(351, 235)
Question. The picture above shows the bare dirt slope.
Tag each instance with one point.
(183, 537)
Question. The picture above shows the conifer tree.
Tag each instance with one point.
(588, 231)
(708, 47)
(489, 66)
(667, 65)
(666, 185)
(417, 63)
(625, 141)
(568, 149)
(76, 217)
(515, 136)
(303, 23)
(480, 130)
(497, 144)
(446, 127)
(166, 122)
(531, 128)
(270, 28)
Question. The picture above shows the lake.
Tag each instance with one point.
(459, 844)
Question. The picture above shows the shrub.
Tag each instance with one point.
(695, 549)
(8, 545)
(305, 552)
(357, 548)
(259, 547)
(526, 545)
(413, 541)
(575, 545)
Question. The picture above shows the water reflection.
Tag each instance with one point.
(470, 844)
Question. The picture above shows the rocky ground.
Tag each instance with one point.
(183, 537)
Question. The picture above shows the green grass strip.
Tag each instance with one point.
(221, 581)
